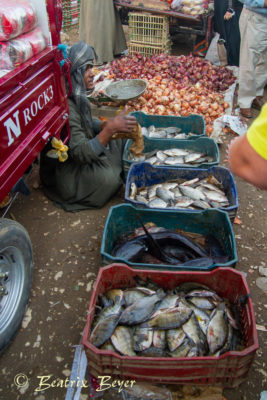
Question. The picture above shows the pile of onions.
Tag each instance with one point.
(183, 70)
(164, 98)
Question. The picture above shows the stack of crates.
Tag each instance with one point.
(148, 34)
(71, 13)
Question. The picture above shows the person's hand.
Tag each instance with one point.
(121, 123)
(265, 3)
(228, 15)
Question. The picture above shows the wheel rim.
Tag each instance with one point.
(12, 264)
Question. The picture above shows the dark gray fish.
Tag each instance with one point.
(141, 310)
(104, 329)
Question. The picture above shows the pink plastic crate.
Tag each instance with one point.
(228, 370)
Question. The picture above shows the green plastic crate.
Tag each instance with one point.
(122, 219)
(207, 145)
(194, 123)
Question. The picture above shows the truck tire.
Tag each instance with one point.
(16, 263)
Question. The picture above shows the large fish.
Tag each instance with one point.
(122, 340)
(142, 337)
(141, 310)
(217, 332)
(104, 329)
(169, 318)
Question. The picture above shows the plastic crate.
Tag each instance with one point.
(147, 50)
(145, 174)
(228, 370)
(147, 29)
(193, 123)
(122, 220)
(207, 145)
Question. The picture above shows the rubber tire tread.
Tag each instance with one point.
(13, 233)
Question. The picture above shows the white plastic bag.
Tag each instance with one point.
(212, 53)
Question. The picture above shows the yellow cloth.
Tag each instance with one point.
(257, 133)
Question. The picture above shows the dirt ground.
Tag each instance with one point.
(66, 249)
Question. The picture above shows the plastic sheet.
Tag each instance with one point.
(191, 7)
(16, 17)
(15, 52)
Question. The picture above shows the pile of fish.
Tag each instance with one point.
(157, 245)
(171, 132)
(173, 157)
(189, 321)
(193, 194)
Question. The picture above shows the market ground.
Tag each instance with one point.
(66, 249)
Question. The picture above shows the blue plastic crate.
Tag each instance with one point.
(194, 123)
(145, 174)
(122, 220)
(203, 144)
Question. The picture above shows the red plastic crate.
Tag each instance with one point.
(228, 370)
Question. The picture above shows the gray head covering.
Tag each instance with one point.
(81, 55)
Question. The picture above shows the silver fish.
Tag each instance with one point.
(173, 129)
(189, 183)
(194, 194)
(193, 331)
(165, 194)
(157, 203)
(161, 156)
(159, 339)
(141, 309)
(169, 318)
(175, 338)
(168, 302)
(174, 160)
(143, 338)
(170, 185)
(215, 196)
(158, 135)
(203, 205)
(183, 202)
(133, 190)
(175, 152)
(217, 332)
(122, 340)
(213, 188)
(202, 317)
(152, 160)
(145, 131)
(177, 192)
(182, 350)
(180, 136)
(202, 302)
(192, 157)
(141, 199)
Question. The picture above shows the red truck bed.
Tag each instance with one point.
(33, 108)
